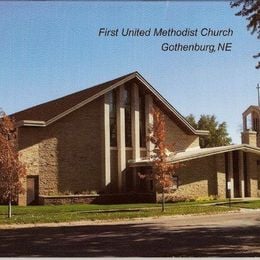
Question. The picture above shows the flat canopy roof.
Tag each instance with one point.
(199, 153)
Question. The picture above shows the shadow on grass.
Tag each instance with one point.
(110, 211)
(132, 240)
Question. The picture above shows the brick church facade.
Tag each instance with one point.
(94, 141)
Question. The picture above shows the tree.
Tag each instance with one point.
(11, 169)
(218, 135)
(191, 119)
(250, 10)
(163, 170)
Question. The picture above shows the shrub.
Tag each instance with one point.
(171, 197)
(207, 198)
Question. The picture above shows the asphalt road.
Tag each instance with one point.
(232, 234)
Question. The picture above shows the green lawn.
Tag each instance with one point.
(255, 204)
(66, 213)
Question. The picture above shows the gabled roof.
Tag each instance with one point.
(49, 112)
(46, 112)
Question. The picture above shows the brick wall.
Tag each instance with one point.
(29, 150)
(67, 155)
(174, 134)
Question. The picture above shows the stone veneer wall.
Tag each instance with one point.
(250, 137)
(199, 178)
(67, 155)
(221, 175)
(253, 175)
(99, 199)
(258, 180)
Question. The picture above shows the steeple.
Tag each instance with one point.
(258, 87)
(251, 123)
(251, 126)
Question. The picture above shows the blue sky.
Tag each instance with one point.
(50, 49)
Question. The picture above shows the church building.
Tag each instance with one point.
(91, 147)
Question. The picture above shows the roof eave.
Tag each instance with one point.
(102, 92)
(202, 154)
(202, 132)
(30, 123)
(243, 147)
(170, 107)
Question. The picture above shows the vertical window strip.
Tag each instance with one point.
(127, 104)
(112, 118)
(142, 119)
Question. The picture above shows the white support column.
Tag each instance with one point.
(241, 174)
(135, 124)
(230, 173)
(107, 175)
(121, 135)
(148, 121)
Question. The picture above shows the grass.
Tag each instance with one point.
(254, 204)
(68, 213)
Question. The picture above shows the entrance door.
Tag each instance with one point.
(32, 189)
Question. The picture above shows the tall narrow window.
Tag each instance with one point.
(127, 104)
(112, 118)
(255, 122)
(142, 119)
(248, 122)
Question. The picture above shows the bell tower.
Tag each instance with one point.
(251, 124)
